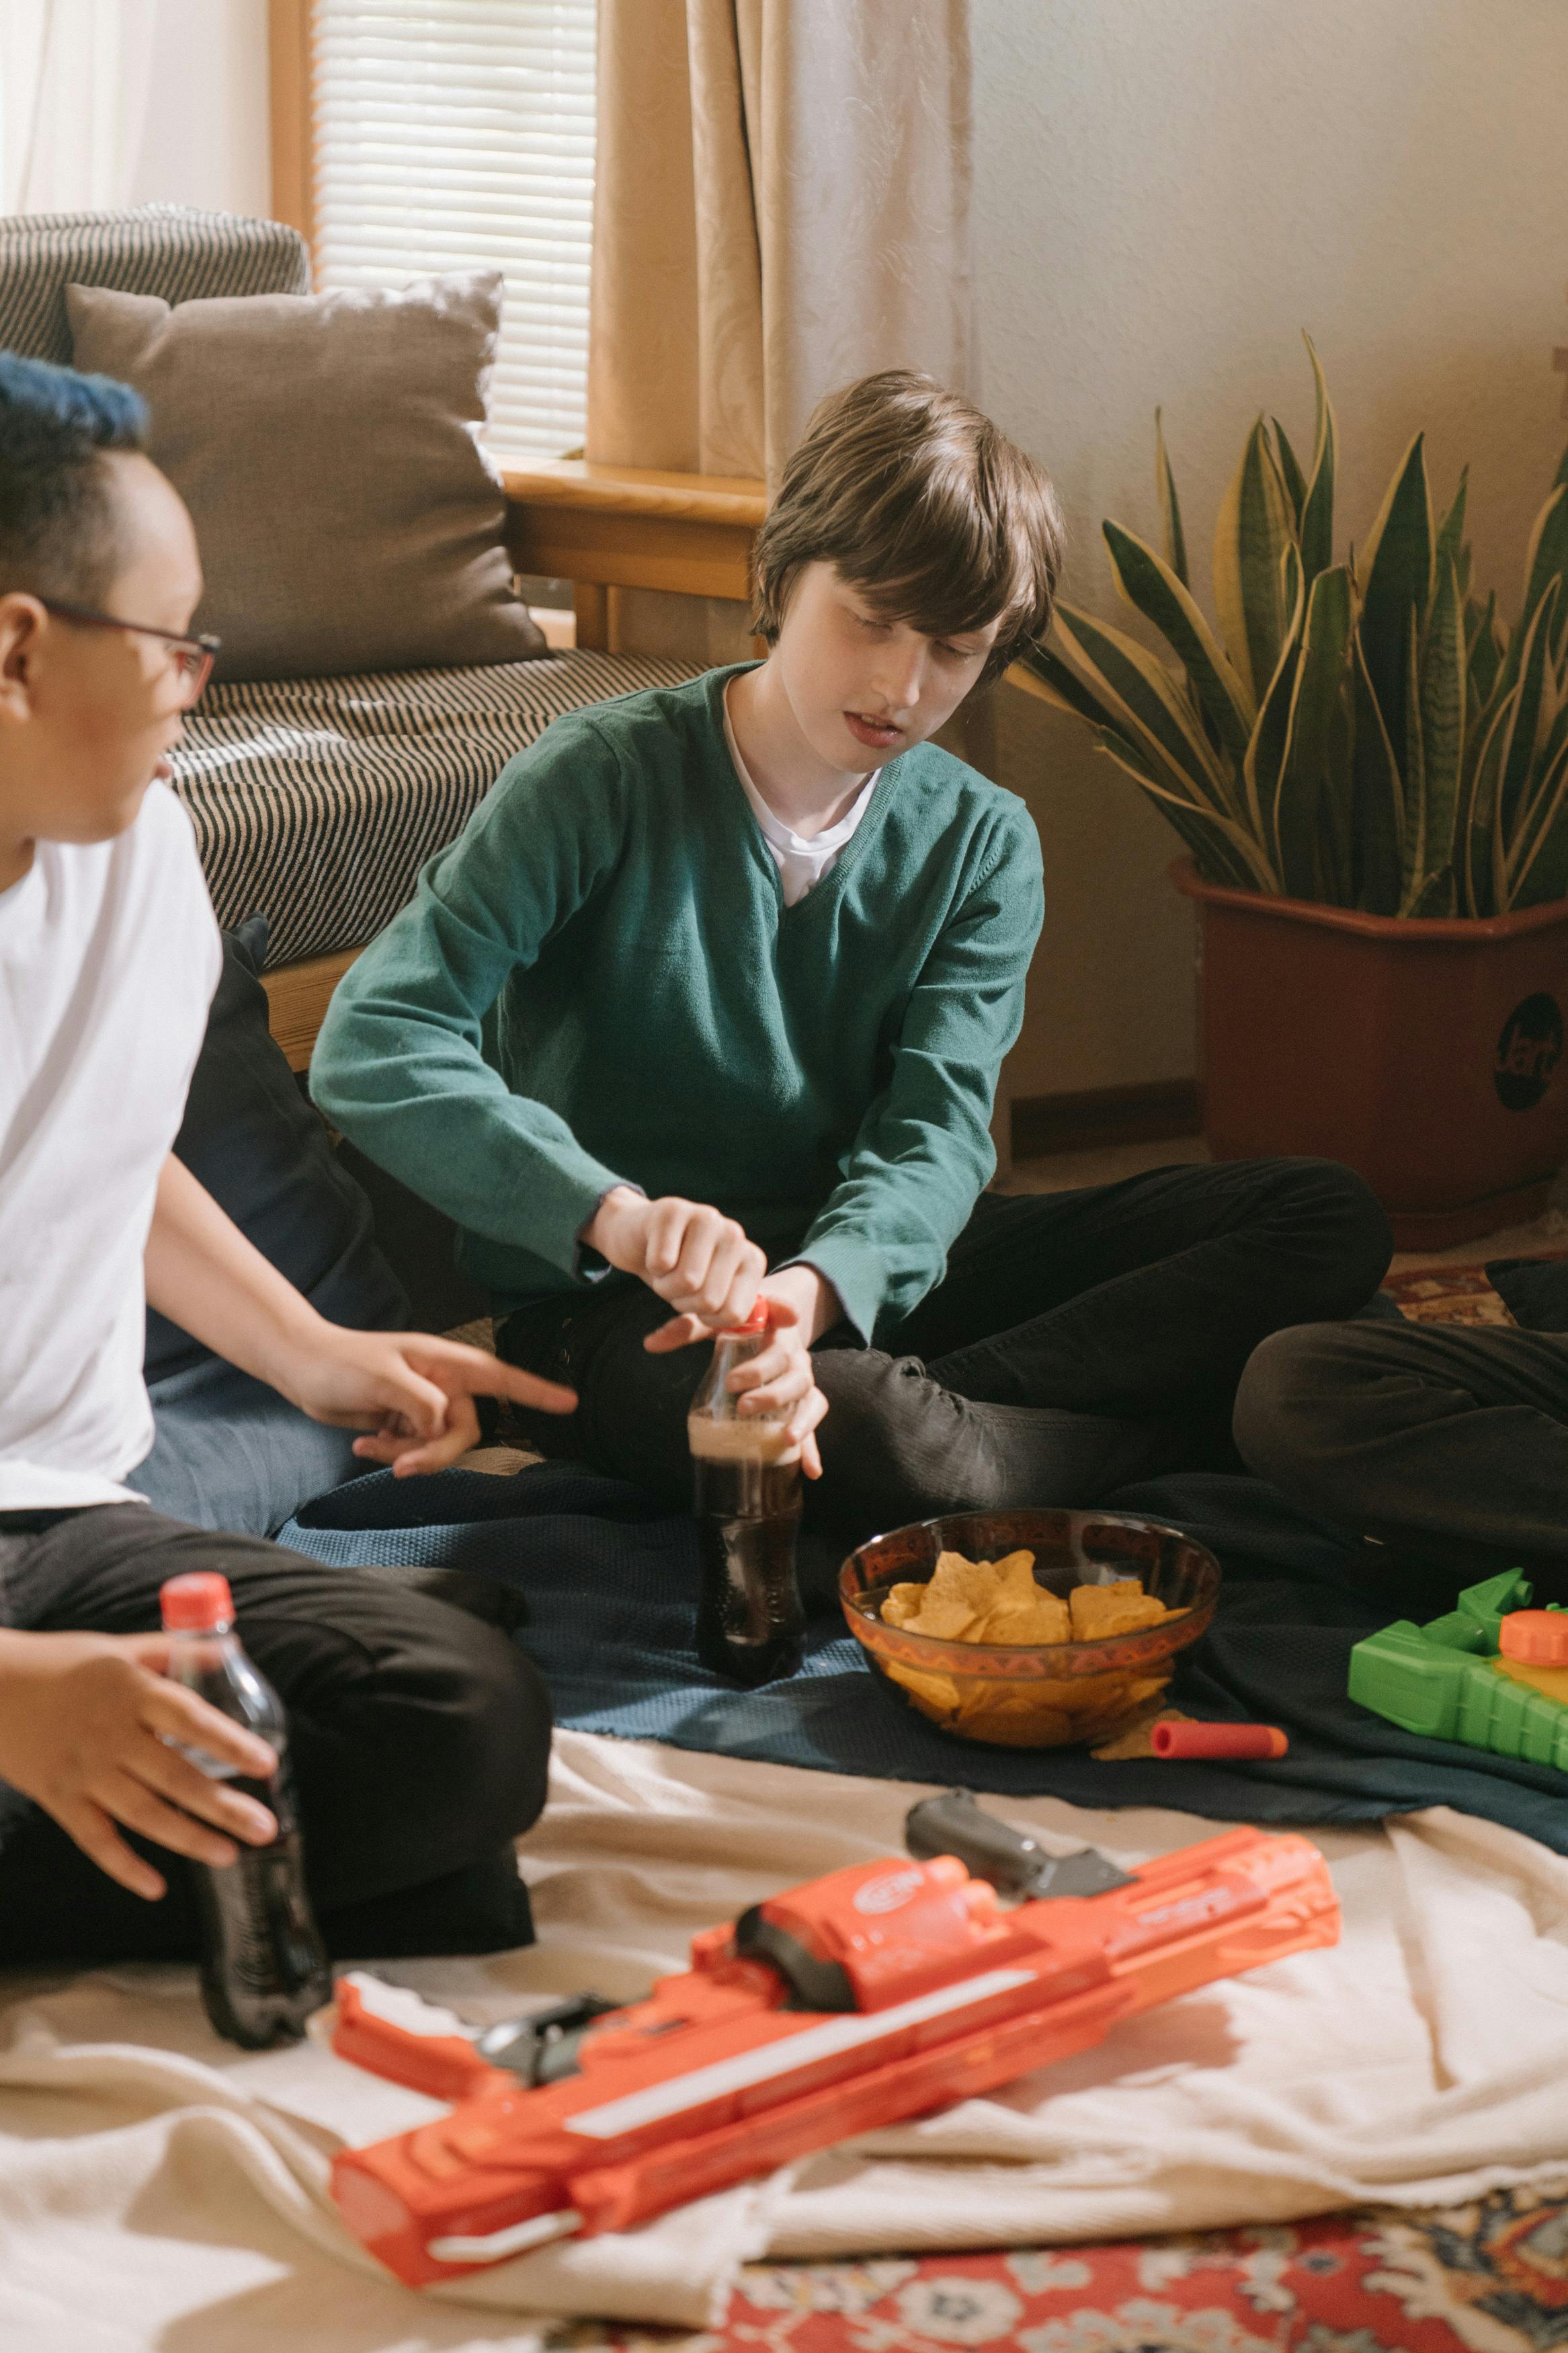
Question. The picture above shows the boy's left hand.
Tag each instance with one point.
(413, 1392)
(780, 1379)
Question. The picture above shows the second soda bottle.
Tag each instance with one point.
(264, 1968)
(746, 1474)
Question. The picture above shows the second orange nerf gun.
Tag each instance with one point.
(857, 2000)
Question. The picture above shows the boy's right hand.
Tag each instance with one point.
(85, 1724)
(703, 1263)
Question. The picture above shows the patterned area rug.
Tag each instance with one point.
(1456, 1295)
(1447, 1294)
(1490, 2277)
(1487, 2278)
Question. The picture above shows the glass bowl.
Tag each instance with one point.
(1034, 1695)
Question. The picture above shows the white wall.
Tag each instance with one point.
(1168, 192)
(206, 139)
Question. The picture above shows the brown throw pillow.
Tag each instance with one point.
(327, 446)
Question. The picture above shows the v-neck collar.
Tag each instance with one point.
(828, 884)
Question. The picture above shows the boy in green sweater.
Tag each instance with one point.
(711, 998)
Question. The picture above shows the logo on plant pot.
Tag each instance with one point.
(1528, 1053)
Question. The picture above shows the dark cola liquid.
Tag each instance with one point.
(749, 1621)
(264, 1968)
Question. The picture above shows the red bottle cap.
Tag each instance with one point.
(1538, 1638)
(1217, 1740)
(758, 1320)
(198, 1604)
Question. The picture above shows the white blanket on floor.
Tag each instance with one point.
(158, 2188)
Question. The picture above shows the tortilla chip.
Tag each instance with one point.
(956, 1580)
(1100, 1612)
(1041, 1620)
(946, 1621)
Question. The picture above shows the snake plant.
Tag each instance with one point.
(1364, 734)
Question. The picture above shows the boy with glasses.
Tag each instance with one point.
(419, 1736)
(708, 1002)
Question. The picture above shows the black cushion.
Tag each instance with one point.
(251, 1138)
(1533, 1289)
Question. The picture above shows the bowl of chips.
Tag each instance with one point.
(1030, 1630)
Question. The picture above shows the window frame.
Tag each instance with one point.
(292, 117)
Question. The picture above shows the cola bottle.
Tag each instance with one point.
(746, 1477)
(263, 1967)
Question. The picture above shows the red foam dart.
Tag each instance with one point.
(1217, 1740)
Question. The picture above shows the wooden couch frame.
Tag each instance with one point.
(605, 529)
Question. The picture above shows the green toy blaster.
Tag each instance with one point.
(1493, 1674)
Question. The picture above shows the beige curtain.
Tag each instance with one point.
(75, 77)
(782, 203)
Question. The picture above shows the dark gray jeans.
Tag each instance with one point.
(1077, 1341)
(420, 1741)
(1445, 1445)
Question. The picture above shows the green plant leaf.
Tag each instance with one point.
(1170, 506)
(1378, 819)
(1546, 560)
(1542, 872)
(1396, 564)
(1143, 702)
(1251, 536)
(1266, 752)
(1451, 539)
(1432, 793)
(1336, 839)
(1152, 588)
(1485, 649)
(1044, 674)
(1041, 672)
(1527, 829)
(1298, 822)
(1290, 473)
(1482, 884)
(1533, 713)
(1223, 852)
(1317, 535)
(1413, 862)
(1437, 896)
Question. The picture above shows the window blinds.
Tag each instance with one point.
(459, 135)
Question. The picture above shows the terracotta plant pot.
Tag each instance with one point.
(1424, 1054)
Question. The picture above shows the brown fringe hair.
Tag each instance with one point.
(935, 516)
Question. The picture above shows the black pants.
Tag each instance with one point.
(420, 1740)
(1077, 1341)
(1449, 1446)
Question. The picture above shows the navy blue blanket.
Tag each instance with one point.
(611, 1582)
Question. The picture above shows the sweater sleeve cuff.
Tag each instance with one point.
(567, 1200)
(590, 1267)
(854, 1270)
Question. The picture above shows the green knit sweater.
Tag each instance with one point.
(600, 983)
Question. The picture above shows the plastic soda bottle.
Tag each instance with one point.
(263, 1967)
(749, 1621)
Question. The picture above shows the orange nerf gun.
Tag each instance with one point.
(855, 2002)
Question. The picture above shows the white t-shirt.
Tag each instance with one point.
(800, 862)
(109, 958)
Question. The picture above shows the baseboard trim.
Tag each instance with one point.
(1145, 1114)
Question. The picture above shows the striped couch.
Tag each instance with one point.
(315, 801)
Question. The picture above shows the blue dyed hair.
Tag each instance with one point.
(57, 525)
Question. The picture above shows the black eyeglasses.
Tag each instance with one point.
(193, 657)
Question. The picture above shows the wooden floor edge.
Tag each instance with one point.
(1097, 1117)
